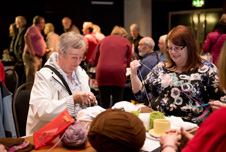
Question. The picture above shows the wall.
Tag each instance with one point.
(139, 12)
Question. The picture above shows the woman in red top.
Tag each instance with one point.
(214, 40)
(111, 57)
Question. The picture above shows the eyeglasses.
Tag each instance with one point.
(81, 58)
(176, 49)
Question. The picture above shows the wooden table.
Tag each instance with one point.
(59, 147)
(88, 147)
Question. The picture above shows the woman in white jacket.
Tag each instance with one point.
(49, 97)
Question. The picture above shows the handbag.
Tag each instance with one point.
(53, 129)
(207, 56)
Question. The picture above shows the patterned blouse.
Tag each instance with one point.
(180, 94)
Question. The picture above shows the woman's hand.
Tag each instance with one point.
(173, 136)
(170, 140)
(186, 134)
(216, 105)
(80, 97)
(91, 98)
(84, 98)
(134, 66)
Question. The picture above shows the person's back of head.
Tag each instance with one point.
(87, 27)
(223, 18)
(49, 27)
(118, 30)
(96, 28)
(220, 27)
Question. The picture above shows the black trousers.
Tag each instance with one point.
(105, 95)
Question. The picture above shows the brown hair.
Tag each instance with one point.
(221, 64)
(118, 30)
(37, 19)
(183, 36)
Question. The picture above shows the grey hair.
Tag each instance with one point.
(21, 19)
(163, 38)
(134, 27)
(149, 41)
(70, 40)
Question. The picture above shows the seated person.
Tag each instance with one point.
(162, 47)
(211, 134)
(182, 83)
(148, 61)
(49, 97)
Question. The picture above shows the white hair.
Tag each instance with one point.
(163, 38)
(71, 40)
(149, 41)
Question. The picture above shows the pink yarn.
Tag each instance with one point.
(75, 136)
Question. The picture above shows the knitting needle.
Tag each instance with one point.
(207, 104)
(145, 66)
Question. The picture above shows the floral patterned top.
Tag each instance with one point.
(180, 94)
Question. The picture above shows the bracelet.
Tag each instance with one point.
(168, 146)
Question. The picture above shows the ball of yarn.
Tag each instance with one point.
(75, 136)
(116, 131)
(155, 115)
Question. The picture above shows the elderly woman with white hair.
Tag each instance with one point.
(49, 96)
(162, 47)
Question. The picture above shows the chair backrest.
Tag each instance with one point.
(11, 80)
(19, 68)
(20, 108)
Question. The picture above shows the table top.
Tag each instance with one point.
(88, 148)
(59, 147)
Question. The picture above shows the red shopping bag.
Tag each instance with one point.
(54, 128)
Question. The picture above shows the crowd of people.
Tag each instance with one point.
(175, 80)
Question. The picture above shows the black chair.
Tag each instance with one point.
(19, 68)
(11, 80)
(20, 106)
